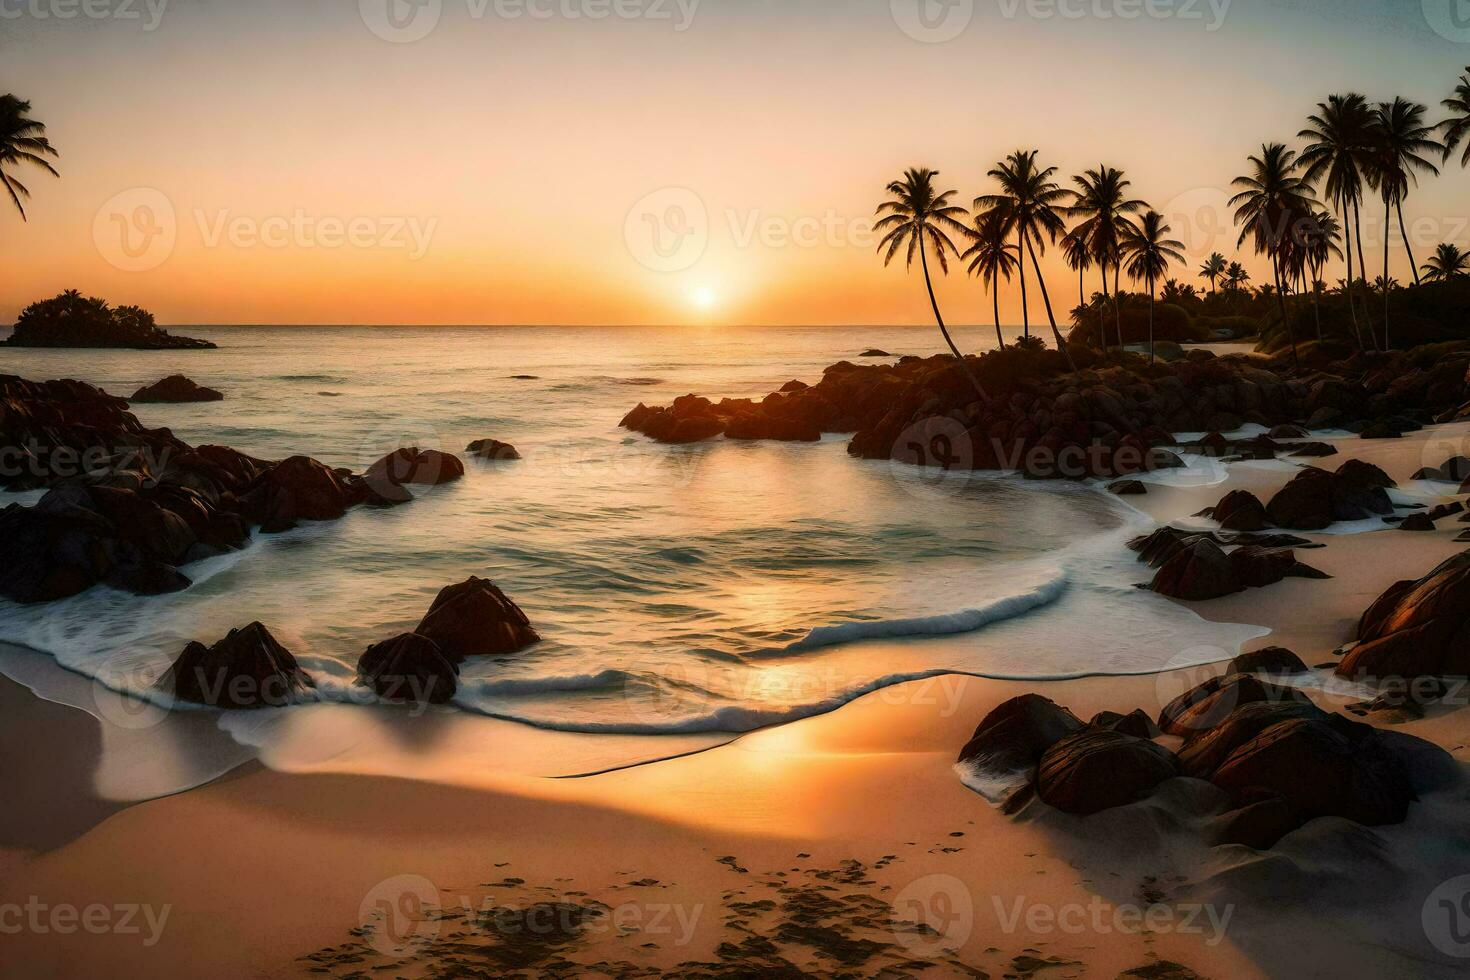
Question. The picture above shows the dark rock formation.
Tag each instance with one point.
(1456, 469)
(1316, 498)
(1267, 660)
(1416, 628)
(175, 389)
(1128, 488)
(1416, 522)
(1240, 510)
(409, 667)
(246, 669)
(72, 320)
(1136, 723)
(1197, 570)
(492, 449)
(1098, 768)
(875, 352)
(475, 618)
(1013, 737)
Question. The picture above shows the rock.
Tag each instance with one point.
(1210, 703)
(411, 465)
(1127, 488)
(1285, 431)
(1456, 469)
(1322, 767)
(1135, 723)
(246, 669)
(1416, 522)
(1315, 498)
(1416, 628)
(1098, 768)
(1199, 570)
(1356, 473)
(1258, 825)
(1381, 430)
(1241, 510)
(297, 488)
(875, 352)
(475, 618)
(492, 449)
(1257, 566)
(1445, 510)
(794, 385)
(1267, 660)
(1015, 734)
(408, 667)
(758, 425)
(1313, 449)
(175, 389)
(1206, 749)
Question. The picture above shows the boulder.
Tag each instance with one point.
(1205, 749)
(1241, 510)
(1322, 767)
(1127, 488)
(1257, 565)
(1416, 628)
(1198, 570)
(1287, 431)
(246, 669)
(1267, 660)
(175, 389)
(1135, 723)
(794, 385)
(1098, 768)
(1016, 733)
(475, 618)
(875, 352)
(492, 449)
(1208, 704)
(1316, 498)
(413, 466)
(409, 667)
(1356, 473)
(1416, 522)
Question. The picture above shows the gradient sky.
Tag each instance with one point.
(535, 156)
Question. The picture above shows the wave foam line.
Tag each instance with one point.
(964, 621)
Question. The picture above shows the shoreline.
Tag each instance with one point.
(309, 854)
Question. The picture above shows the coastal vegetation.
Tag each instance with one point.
(70, 319)
(1299, 209)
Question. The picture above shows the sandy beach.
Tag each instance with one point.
(745, 856)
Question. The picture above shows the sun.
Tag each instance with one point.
(704, 298)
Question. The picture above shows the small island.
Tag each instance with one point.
(73, 320)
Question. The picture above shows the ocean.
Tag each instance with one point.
(715, 587)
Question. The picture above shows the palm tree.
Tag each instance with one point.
(1236, 276)
(1271, 200)
(1027, 205)
(1447, 262)
(1149, 254)
(1176, 292)
(22, 140)
(1338, 154)
(1402, 142)
(917, 215)
(991, 258)
(1078, 253)
(1101, 202)
(1212, 269)
(1317, 237)
(1458, 124)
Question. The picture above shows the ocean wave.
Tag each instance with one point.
(943, 624)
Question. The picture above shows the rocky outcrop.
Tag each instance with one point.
(1267, 660)
(1416, 628)
(409, 667)
(127, 506)
(476, 619)
(390, 477)
(492, 449)
(1316, 498)
(1013, 737)
(1240, 510)
(1195, 567)
(246, 669)
(174, 389)
(1099, 768)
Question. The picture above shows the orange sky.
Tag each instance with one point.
(279, 162)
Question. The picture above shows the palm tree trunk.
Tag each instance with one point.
(1025, 313)
(1316, 308)
(1102, 326)
(1363, 268)
(1150, 320)
(1081, 286)
(1281, 305)
(1387, 223)
(1347, 286)
(924, 258)
(1117, 308)
(1408, 249)
(1045, 298)
(995, 303)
